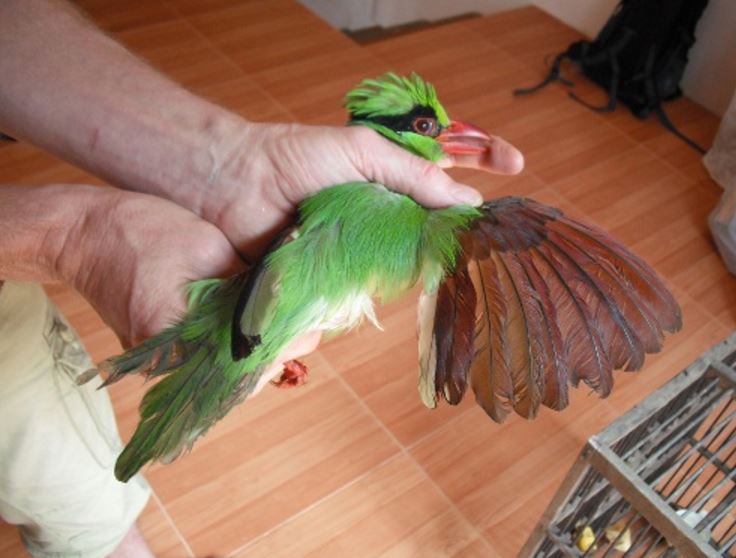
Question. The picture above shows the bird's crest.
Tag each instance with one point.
(391, 95)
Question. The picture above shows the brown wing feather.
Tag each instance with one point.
(558, 302)
(454, 326)
(644, 282)
(555, 367)
(584, 319)
(491, 370)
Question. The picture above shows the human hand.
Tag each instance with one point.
(260, 186)
(131, 256)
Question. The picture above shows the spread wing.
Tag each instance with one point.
(538, 301)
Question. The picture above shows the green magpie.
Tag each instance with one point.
(518, 300)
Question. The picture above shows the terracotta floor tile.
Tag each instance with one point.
(20, 159)
(421, 46)
(673, 150)
(494, 186)
(479, 549)
(392, 511)
(531, 36)
(249, 100)
(118, 15)
(194, 7)
(319, 97)
(635, 216)
(525, 31)
(508, 535)
(473, 460)
(25, 164)
(699, 331)
(388, 385)
(562, 148)
(707, 280)
(461, 70)
(682, 112)
(652, 234)
(597, 187)
(683, 267)
(179, 51)
(524, 121)
(10, 543)
(445, 535)
(165, 541)
(270, 468)
(366, 342)
(263, 34)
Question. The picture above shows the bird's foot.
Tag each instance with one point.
(294, 375)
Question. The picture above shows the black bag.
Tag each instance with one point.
(638, 57)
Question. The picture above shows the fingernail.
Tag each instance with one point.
(467, 196)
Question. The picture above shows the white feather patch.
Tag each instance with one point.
(427, 348)
(345, 315)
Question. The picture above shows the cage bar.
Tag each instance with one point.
(660, 480)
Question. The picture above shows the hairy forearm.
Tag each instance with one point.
(70, 89)
(40, 228)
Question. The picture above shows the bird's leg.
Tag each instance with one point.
(294, 375)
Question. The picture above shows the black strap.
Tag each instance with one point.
(554, 74)
(667, 123)
(654, 100)
(612, 90)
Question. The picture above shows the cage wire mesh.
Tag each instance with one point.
(659, 481)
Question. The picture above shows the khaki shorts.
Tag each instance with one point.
(58, 441)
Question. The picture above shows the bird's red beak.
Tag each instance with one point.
(467, 145)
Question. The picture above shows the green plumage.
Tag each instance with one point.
(352, 242)
(392, 95)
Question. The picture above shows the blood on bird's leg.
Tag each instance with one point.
(294, 375)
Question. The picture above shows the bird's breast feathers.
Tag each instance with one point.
(357, 241)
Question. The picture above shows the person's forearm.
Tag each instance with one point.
(70, 89)
(40, 228)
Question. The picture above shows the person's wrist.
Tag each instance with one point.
(78, 235)
(241, 190)
(229, 142)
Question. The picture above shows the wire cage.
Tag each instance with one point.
(659, 481)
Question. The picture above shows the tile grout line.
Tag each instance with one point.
(713, 317)
(240, 71)
(189, 549)
(600, 118)
(314, 504)
(405, 452)
(402, 452)
(172, 523)
(656, 155)
(692, 184)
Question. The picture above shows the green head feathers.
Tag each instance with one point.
(405, 110)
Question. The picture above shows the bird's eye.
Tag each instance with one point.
(425, 126)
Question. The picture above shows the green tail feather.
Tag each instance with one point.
(202, 381)
(166, 351)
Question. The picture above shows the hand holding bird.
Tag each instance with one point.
(519, 301)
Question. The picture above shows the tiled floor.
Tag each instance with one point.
(352, 464)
